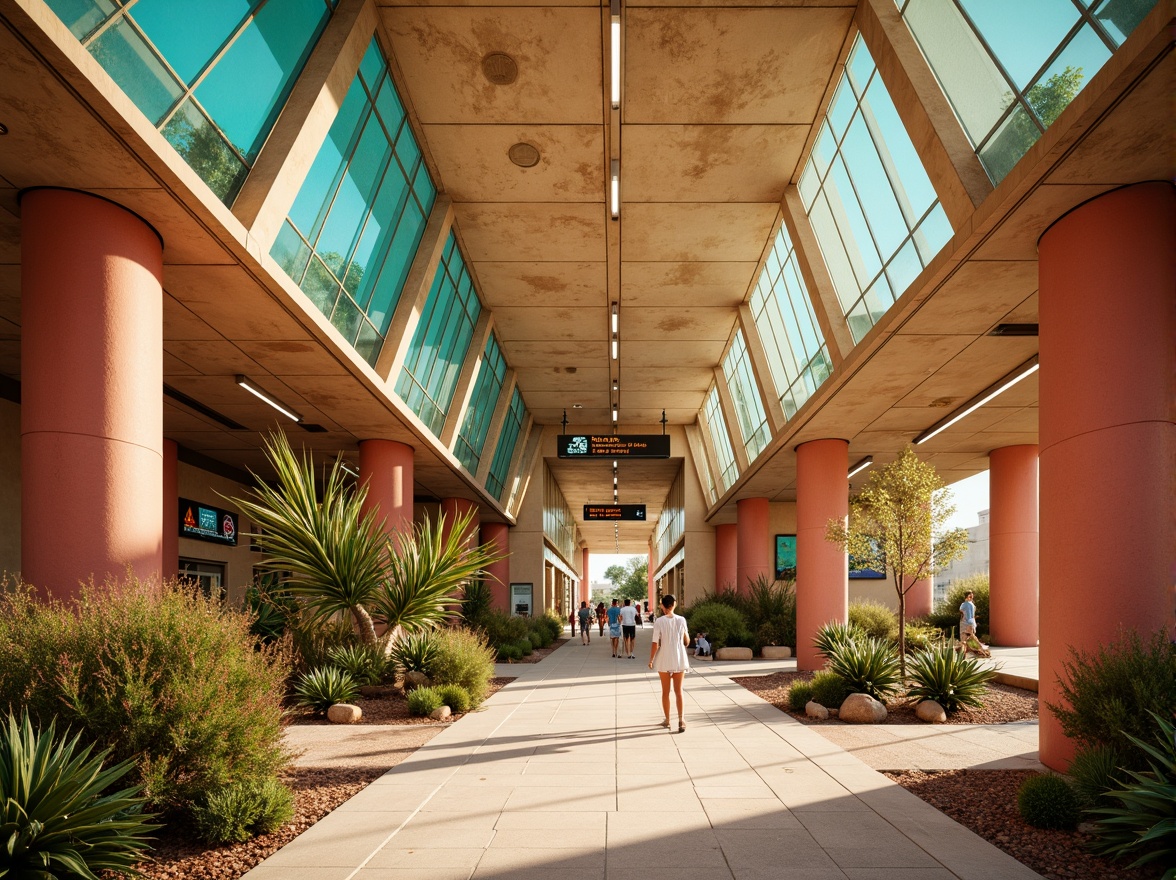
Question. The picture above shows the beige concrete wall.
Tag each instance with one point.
(526, 537)
(200, 485)
(698, 569)
(9, 487)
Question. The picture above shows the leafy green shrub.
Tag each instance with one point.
(535, 639)
(946, 615)
(271, 611)
(875, 619)
(1046, 801)
(476, 601)
(414, 652)
(322, 688)
(869, 666)
(922, 636)
(55, 820)
(833, 635)
(551, 624)
(799, 695)
(463, 658)
(503, 629)
(1111, 691)
(163, 675)
(525, 648)
(1145, 825)
(365, 664)
(829, 689)
(454, 696)
(424, 701)
(509, 653)
(239, 811)
(1095, 771)
(772, 608)
(540, 633)
(724, 626)
(314, 639)
(949, 678)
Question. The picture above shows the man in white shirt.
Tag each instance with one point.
(628, 627)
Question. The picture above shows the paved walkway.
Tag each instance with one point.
(565, 774)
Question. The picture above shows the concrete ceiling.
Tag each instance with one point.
(718, 107)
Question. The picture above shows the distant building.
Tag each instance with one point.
(975, 561)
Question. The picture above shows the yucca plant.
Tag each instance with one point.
(1145, 825)
(334, 552)
(868, 666)
(427, 566)
(476, 600)
(364, 663)
(55, 819)
(414, 652)
(833, 635)
(322, 688)
(949, 678)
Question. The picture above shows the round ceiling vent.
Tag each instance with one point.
(500, 68)
(524, 155)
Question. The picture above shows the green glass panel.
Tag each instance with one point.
(82, 16)
(369, 343)
(320, 286)
(373, 67)
(1022, 35)
(190, 40)
(290, 252)
(347, 318)
(1121, 17)
(198, 141)
(377, 233)
(1082, 58)
(137, 70)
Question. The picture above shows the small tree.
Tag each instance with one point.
(631, 580)
(895, 527)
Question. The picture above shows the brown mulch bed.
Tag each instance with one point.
(390, 708)
(1001, 705)
(986, 802)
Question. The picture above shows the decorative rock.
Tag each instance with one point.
(862, 709)
(832, 713)
(344, 713)
(776, 652)
(816, 710)
(441, 714)
(733, 654)
(415, 680)
(931, 712)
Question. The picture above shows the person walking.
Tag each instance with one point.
(667, 653)
(614, 626)
(585, 614)
(600, 617)
(629, 627)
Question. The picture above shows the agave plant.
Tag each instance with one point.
(55, 819)
(1145, 825)
(414, 652)
(833, 635)
(949, 678)
(322, 688)
(364, 663)
(426, 569)
(868, 665)
(334, 552)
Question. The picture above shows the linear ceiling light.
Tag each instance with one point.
(614, 189)
(614, 318)
(1026, 369)
(614, 347)
(615, 66)
(861, 465)
(247, 383)
(614, 412)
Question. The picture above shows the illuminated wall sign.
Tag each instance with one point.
(614, 446)
(206, 523)
(597, 512)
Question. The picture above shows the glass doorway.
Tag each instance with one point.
(209, 577)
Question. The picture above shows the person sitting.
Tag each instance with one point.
(702, 647)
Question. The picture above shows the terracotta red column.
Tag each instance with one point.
(919, 598)
(754, 544)
(1107, 436)
(1012, 545)
(822, 568)
(171, 509)
(453, 508)
(497, 535)
(386, 467)
(726, 556)
(91, 391)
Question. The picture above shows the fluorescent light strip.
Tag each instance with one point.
(861, 465)
(247, 384)
(614, 318)
(614, 189)
(615, 66)
(614, 347)
(1026, 369)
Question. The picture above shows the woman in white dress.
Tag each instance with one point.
(667, 654)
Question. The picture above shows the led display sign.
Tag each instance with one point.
(597, 512)
(205, 523)
(614, 446)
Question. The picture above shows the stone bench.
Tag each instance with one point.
(776, 652)
(733, 654)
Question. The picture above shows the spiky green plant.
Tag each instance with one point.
(414, 652)
(1145, 825)
(334, 552)
(476, 601)
(364, 663)
(834, 634)
(427, 567)
(868, 666)
(322, 688)
(55, 819)
(949, 678)
(241, 810)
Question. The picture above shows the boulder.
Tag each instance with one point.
(816, 710)
(344, 713)
(862, 709)
(415, 680)
(775, 652)
(441, 714)
(832, 713)
(733, 654)
(931, 712)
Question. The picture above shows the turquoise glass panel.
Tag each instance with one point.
(190, 40)
(474, 427)
(512, 428)
(197, 140)
(137, 70)
(1022, 35)
(82, 16)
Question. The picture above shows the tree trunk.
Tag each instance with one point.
(367, 629)
(902, 630)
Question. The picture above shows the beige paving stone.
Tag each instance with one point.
(339, 840)
(550, 858)
(748, 814)
(559, 800)
(294, 872)
(432, 838)
(437, 873)
(394, 856)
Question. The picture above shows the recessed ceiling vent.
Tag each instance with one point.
(1013, 330)
(500, 68)
(524, 155)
